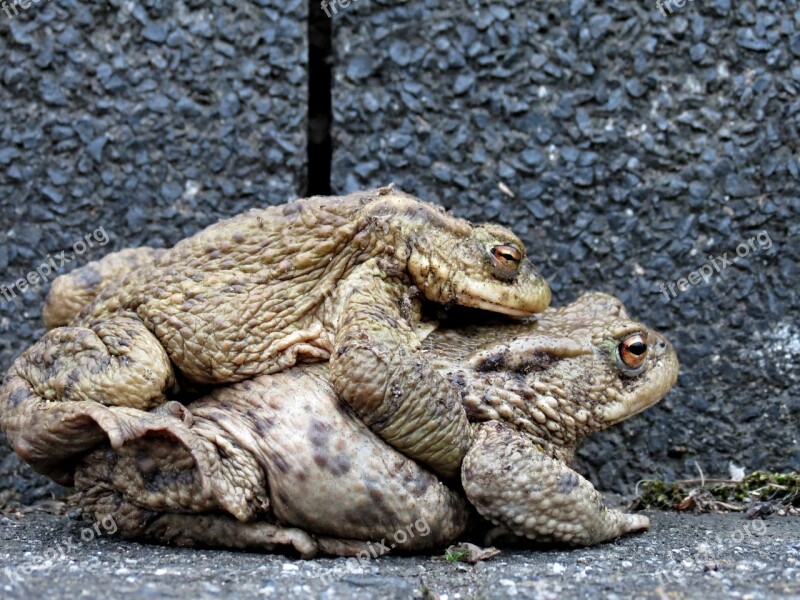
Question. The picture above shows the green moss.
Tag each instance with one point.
(455, 555)
(659, 494)
(759, 486)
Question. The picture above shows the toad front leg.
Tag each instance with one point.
(377, 367)
(513, 484)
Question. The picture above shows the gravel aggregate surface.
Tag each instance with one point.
(683, 556)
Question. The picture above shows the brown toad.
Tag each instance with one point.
(314, 280)
(280, 461)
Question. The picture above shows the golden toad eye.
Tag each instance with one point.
(507, 257)
(633, 351)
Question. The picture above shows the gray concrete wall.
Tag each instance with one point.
(149, 120)
(625, 147)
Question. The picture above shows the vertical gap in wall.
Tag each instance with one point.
(320, 114)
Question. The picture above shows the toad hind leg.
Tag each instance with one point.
(71, 292)
(513, 484)
(114, 362)
(377, 368)
(214, 530)
(222, 531)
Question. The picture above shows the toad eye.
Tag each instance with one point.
(632, 351)
(506, 257)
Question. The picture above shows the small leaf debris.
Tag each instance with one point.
(469, 553)
(759, 494)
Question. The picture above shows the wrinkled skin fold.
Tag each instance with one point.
(281, 462)
(262, 464)
(323, 279)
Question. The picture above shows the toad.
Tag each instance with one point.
(281, 461)
(338, 279)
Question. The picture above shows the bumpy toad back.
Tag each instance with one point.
(316, 279)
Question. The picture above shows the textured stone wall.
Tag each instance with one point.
(147, 119)
(624, 146)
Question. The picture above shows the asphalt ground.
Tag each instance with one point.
(683, 556)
